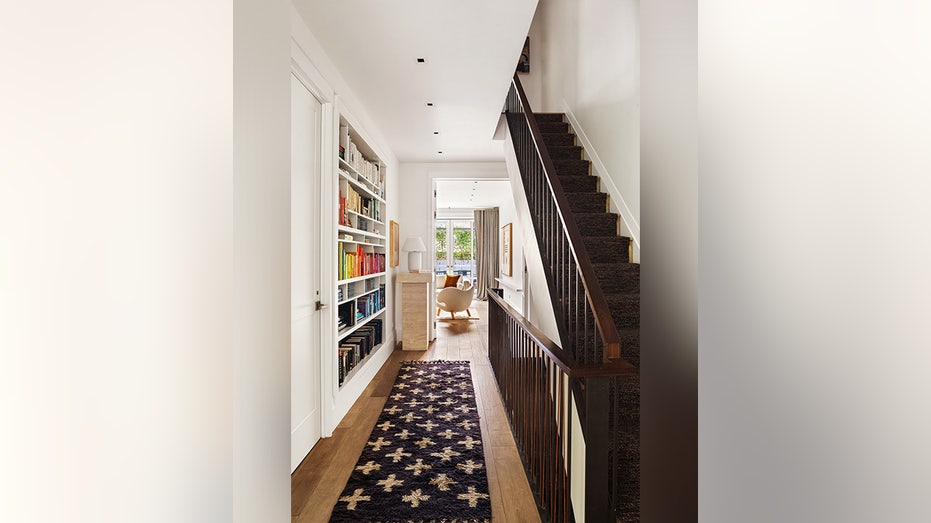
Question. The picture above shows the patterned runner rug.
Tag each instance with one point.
(424, 461)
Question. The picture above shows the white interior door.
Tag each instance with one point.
(306, 397)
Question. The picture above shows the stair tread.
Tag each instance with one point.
(587, 202)
(549, 116)
(563, 138)
(588, 214)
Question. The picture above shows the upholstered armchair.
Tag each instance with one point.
(455, 299)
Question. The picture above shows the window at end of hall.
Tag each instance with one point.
(454, 243)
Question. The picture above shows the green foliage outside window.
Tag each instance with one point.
(462, 244)
(440, 243)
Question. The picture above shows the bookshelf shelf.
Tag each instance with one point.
(347, 300)
(352, 230)
(373, 220)
(359, 324)
(343, 240)
(360, 181)
(360, 278)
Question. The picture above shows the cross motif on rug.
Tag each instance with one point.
(355, 498)
(386, 425)
(469, 442)
(398, 455)
(418, 467)
(378, 444)
(409, 417)
(398, 396)
(449, 416)
(466, 424)
(390, 482)
(404, 434)
(469, 466)
(428, 425)
(368, 467)
(447, 434)
(473, 496)
(430, 410)
(442, 482)
(415, 498)
(424, 443)
(447, 454)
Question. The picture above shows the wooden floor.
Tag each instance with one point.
(319, 480)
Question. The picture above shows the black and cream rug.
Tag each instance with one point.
(424, 461)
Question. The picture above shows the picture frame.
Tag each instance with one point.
(393, 240)
(523, 64)
(505, 260)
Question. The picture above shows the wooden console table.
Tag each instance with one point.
(415, 309)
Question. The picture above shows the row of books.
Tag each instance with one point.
(356, 347)
(356, 262)
(369, 170)
(350, 200)
(354, 311)
(370, 303)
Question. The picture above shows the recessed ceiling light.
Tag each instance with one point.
(429, 104)
(436, 132)
(420, 60)
(439, 152)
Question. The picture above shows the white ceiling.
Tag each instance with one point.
(471, 50)
(466, 194)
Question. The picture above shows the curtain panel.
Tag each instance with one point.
(486, 250)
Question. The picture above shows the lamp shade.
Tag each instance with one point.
(415, 244)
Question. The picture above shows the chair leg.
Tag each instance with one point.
(453, 313)
(469, 312)
(437, 311)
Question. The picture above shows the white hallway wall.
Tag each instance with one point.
(144, 316)
(585, 60)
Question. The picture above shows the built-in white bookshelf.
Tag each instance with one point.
(362, 261)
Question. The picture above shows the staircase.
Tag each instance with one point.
(619, 279)
(608, 251)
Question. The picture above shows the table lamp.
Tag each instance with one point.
(414, 246)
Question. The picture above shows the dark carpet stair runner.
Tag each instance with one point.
(620, 282)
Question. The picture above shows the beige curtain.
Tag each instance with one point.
(486, 250)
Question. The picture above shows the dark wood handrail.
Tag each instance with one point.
(561, 358)
(599, 305)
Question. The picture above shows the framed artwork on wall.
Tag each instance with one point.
(393, 248)
(505, 260)
(523, 64)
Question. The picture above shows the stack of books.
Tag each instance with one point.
(358, 346)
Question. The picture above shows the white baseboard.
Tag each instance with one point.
(631, 225)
